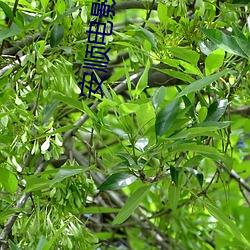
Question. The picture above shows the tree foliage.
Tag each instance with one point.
(160, 162)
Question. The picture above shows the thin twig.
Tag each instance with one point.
(37, 97)
(9, 24)
(148, 14)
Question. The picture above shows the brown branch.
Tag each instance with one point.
(236, 177)
(16, 64)
(25, 42)
(243, 111)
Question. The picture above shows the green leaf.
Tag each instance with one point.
(13, 31)
(198, 175)
(13, 246)
(162, 12)
(132, 203)
(173, 196)
(188, 105)
(70, 101)
(49, 110)
(117, 181)
(56, 131)
(223, 41)
(244, 45)
(193, 132)
(98, 210)
(34, 184)
(68, 12)
(207, 46)
(227, 223)
(197, 85)
(219, 125)
(189, 68)
(36, 21)
(44, 3)
(56, 35)
(202, 114)
(64, 173)
(214, 61)
(166, 117)
(19, 20)
(158, 97)
(241, 40)
(7, 10)
(194, 161)
(8, 180)
(186, 54)
(177, 74)
(49, 244)
(9, 211)
(41, 243)
(143, 81)
(204, 150)
(144, 34)
(238, 33)
(216, 110)
(174, 172)
(128, 108)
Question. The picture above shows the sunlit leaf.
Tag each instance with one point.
(162, 12)
(223, 41)
(44, 3)
(8, 180)
(214, 61)
(202, 114)
(186, 54)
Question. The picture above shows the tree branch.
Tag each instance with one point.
(20, 203)
(21, 44)
(134, 5)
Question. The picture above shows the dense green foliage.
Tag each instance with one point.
(160, 162)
